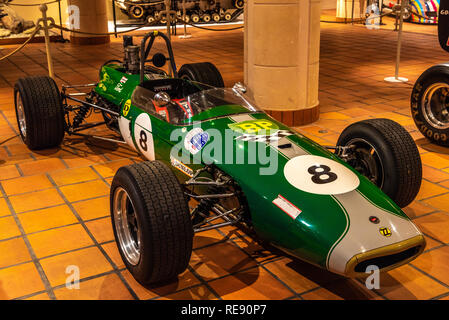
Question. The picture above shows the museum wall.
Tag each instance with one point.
(33, 13)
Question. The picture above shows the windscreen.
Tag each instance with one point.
(191, 101)
(216, 102)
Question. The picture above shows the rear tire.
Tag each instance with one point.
(151, 222)
(430, 104)
(204, 72)
(387, 155)
(39, 112)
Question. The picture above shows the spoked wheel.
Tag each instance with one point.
(385, 153)
(126, 226)
(430, 104)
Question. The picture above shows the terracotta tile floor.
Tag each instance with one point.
(54, 204)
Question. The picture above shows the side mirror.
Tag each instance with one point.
(161, 99)
(239, 88)
(159, 60)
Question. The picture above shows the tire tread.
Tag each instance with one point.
(167, 215)
(43, 111)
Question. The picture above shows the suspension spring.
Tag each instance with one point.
(80, 116)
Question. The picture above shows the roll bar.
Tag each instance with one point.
(145, 51)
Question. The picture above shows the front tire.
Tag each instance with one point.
(387, 155)
(204, 72)
(39, 112)
(430, 104)
(151, 222)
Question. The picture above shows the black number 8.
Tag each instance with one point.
(143, 141)
(317, 175)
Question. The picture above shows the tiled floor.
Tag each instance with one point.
(54, 204)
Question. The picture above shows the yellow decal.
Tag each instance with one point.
(385, 232)
(126, 107)
(102, 86)
(156, 32)
(255, 127)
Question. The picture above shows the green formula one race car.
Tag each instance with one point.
(215, 159)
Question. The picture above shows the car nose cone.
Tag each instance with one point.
(391, 242)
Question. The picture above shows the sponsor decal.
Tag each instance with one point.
(286, 206)
(126, 107)
(185, 106)
(106, 80)
(264, 138)
(181, 166)
(102, 86)
(120, 85)
(195, 140)
(385, 232)
(163, 113)
(255, 127)
(259, 131)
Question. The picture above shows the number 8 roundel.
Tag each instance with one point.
(319, 175)
(143, 136)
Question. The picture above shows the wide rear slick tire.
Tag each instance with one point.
(430, 104)
(385, 147)
(204, 72)
(151, 222)
(39, 112)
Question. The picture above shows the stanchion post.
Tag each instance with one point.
(114, 15)
(396, 77)
(43, 8)
(184, 13)
(168, 17)
(398, 50)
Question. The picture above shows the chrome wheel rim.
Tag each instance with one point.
(435, 105)
(367, 161)
(126, 226)
(21, 116)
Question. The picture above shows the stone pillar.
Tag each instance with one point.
(282, 49)
(347, 9)
(92, 18)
